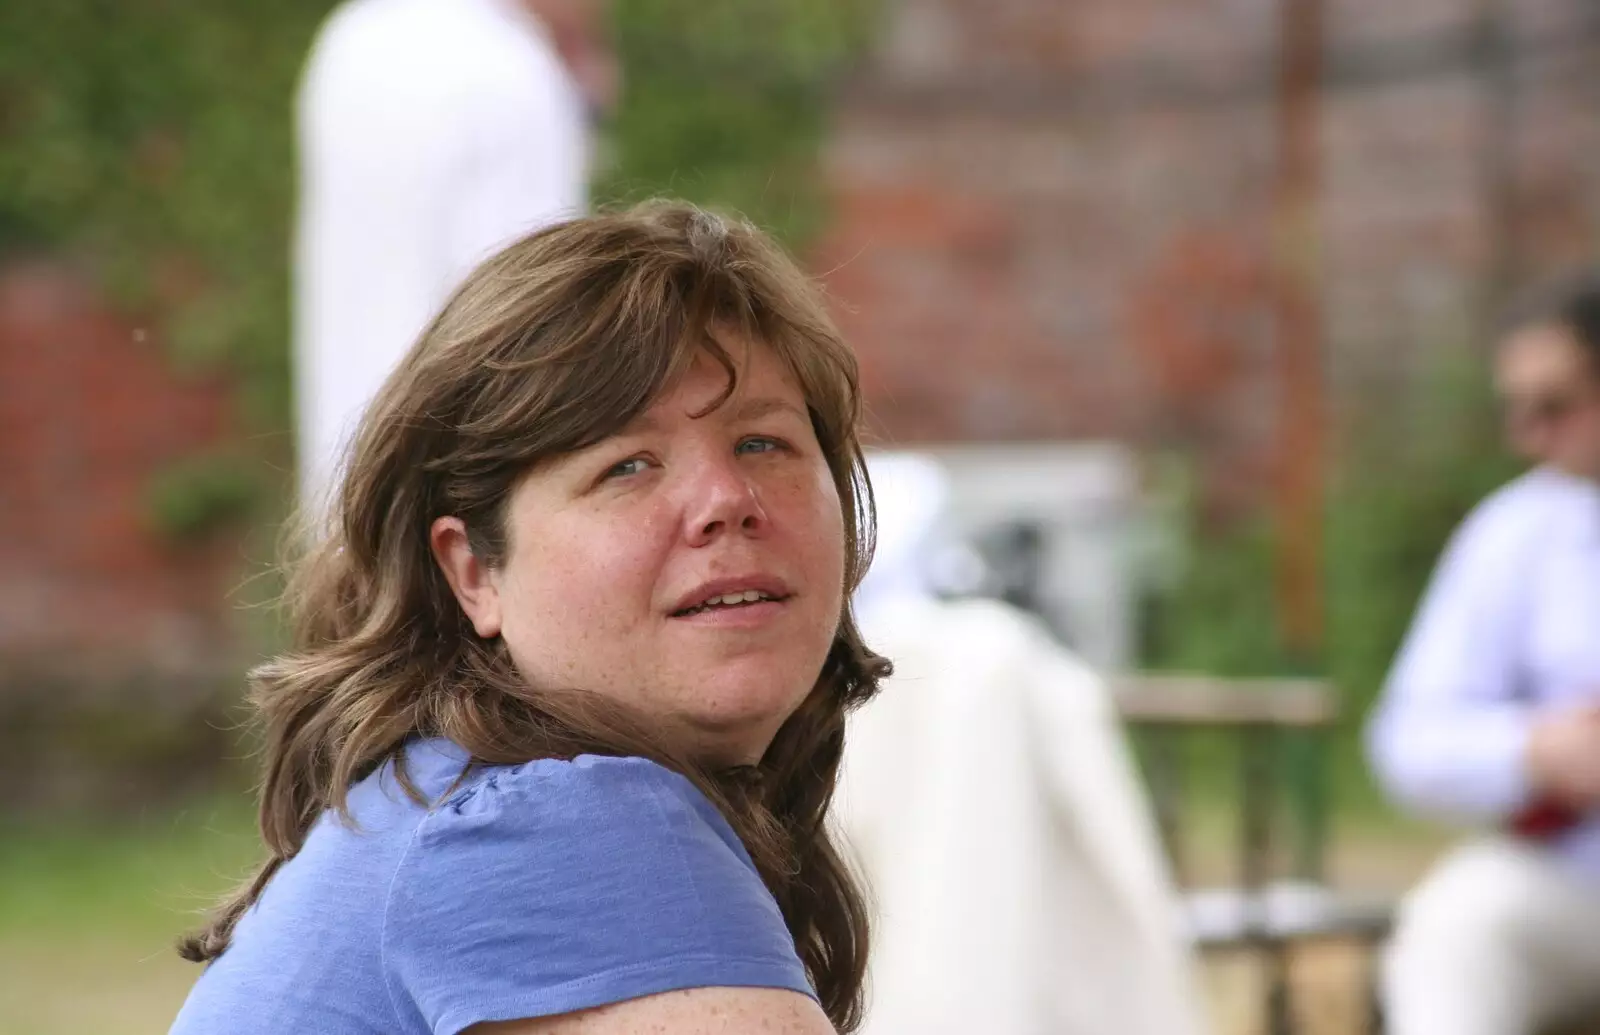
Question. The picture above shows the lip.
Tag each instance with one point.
(771, 585)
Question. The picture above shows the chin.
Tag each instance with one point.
(744, 711)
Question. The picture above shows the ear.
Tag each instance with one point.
(472, 581)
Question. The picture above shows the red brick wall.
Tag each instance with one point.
(90, 412)
(1052, 218)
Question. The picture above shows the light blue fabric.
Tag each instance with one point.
(1509, 627)
(530, 891)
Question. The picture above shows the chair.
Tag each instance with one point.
(1278, 730)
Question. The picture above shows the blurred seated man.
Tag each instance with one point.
(1492, 714)
(992, 805)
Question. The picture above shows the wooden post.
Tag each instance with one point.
(1302, 440)
(1299, 484)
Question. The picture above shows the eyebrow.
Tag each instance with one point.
(766, 406)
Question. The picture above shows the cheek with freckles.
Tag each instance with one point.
(574, 599)
(821, 534)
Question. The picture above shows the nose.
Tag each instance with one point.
(722, 499)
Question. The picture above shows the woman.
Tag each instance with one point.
(556, 743)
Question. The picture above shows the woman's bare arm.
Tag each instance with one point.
(695, 1011)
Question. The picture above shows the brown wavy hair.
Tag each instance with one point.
(552, 345)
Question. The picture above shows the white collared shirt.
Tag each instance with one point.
(430, 133)
(1510, 626)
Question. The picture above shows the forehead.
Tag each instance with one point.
(1544, 355)
(759, 374)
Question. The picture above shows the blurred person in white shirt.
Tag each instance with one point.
(990, 800)
(1491, 713)
(429, 134)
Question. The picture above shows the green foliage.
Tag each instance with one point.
(151, 142)
(202, 493)
(726, 102)
(1397, 504)
(1406, 481)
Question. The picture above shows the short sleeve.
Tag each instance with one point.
(561, 886)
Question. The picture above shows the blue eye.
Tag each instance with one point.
(630, 466)
(760, 444)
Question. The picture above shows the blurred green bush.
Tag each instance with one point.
(1405, 476)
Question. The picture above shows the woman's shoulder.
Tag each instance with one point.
(555, 886)
(584, 796)
(570, 827)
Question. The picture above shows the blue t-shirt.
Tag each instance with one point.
(532, 890)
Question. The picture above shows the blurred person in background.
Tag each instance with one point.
(990, 800)
(430, 133)
(554, 745)
(1492, 712)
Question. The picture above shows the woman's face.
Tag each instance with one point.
(691, 567)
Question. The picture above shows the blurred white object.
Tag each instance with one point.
(1084, 500)
(1284, 910)
(430, 133)
(991, 803)
(911, 494)
(1500, 938)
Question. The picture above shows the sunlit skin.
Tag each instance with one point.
(613, 550)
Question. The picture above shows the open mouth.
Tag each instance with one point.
(730, 601)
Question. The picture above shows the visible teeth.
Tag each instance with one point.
(748, 596)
